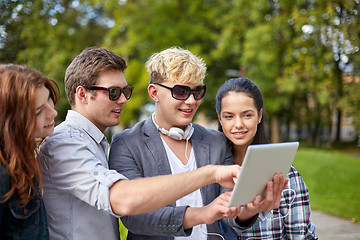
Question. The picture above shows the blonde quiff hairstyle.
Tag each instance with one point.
(177, 65)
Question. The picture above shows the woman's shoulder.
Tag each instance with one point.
(3, 173)
(3, 170)
(293, 172)
(4, 180)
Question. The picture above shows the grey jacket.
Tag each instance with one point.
(139, 152)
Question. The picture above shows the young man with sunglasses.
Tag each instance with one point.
(168, 143)
(83, 197)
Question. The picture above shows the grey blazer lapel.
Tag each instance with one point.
(202, 154)
(201, 149)
(155, 145)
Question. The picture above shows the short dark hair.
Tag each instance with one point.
(86, 67)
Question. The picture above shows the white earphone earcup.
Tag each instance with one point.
(188, 132)
(163, 131)
(176, 133)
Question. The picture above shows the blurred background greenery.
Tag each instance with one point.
(303, 54)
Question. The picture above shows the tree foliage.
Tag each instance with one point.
(46, 35)
(298, 52)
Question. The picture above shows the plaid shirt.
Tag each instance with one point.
(291, 220)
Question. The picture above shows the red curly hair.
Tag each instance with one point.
(17, 126)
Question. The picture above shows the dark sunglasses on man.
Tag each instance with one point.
(182, 92)
(115, 92)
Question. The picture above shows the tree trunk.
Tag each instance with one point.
(330, 128)
(275, 129)
(338, 126)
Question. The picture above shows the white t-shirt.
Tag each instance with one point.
(194, 199)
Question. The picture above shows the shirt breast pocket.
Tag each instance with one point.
(24, 219)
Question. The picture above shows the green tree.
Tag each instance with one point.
(145, 27)
(297, 52)
(46, 35)
(293, 51)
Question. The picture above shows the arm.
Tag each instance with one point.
(76, 166)
(178, 221)
(297, 222)
(142, 195)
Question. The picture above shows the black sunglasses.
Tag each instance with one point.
(115, 92)
(181, 92)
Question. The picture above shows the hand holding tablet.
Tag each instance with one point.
(260, 164)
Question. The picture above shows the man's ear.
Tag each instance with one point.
(152, 91)
(81, 94)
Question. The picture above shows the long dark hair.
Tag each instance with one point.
(244, 85)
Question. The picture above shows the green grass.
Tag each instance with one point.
(333, 179)
(123, 231)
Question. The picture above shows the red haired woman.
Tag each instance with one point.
(27, 100)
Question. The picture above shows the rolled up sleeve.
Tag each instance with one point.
(78, 166)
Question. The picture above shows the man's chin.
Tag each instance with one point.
(114, 123)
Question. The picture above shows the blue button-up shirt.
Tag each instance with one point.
(76, 179)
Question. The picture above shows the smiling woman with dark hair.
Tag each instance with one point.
(239, 105)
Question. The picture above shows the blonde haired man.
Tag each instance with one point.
(169, 143)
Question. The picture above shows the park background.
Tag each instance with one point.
(303, 54)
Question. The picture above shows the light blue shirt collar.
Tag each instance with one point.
(82, 122)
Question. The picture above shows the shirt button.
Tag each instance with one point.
(96, 173)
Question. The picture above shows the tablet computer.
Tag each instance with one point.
(260, 164)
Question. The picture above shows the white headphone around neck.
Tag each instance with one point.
(175, 132)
